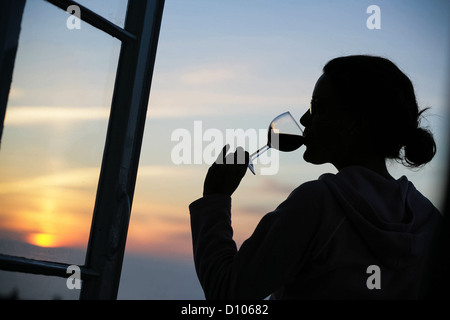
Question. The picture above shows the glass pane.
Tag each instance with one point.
(238, 64)
(112, 10)
(54, 135)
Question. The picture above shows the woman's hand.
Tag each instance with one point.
(226, 173)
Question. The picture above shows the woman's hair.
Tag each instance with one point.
(377, 93)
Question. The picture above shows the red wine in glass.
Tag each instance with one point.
(284, 141)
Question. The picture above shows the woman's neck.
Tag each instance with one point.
(377, 165)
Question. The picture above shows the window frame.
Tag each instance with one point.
(106, 247)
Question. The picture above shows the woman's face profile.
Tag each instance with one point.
(324, 125)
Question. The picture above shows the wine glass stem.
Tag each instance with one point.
(258, 152)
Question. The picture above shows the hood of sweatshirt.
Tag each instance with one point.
(393, 218)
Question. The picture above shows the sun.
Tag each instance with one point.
(42, 239)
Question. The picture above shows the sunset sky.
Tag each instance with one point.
(230, 64)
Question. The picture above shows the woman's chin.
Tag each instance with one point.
(312, 157)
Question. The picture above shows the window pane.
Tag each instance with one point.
(54, 134)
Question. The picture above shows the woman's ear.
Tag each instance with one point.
(353, 126)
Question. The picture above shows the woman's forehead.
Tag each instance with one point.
(325, 94)
(323, 88)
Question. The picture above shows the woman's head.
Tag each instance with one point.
(365, 107)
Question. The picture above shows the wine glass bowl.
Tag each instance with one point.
(284, 134)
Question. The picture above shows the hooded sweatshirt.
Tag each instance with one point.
(350, 235)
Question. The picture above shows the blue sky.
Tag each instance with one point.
(230, 64)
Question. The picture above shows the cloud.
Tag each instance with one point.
(29, 115)
(75, 178)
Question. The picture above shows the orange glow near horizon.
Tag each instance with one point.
(42, 240)
(55, 210)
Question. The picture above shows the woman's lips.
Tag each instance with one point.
(306, 138)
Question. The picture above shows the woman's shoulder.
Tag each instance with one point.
(313, 204)
(310, 191)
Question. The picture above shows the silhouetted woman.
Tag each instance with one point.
(359, 233)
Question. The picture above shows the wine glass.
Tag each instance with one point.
(284, 134)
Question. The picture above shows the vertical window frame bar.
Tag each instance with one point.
(10, 25)
(117, 180)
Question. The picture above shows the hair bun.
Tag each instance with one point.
(420, 148)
